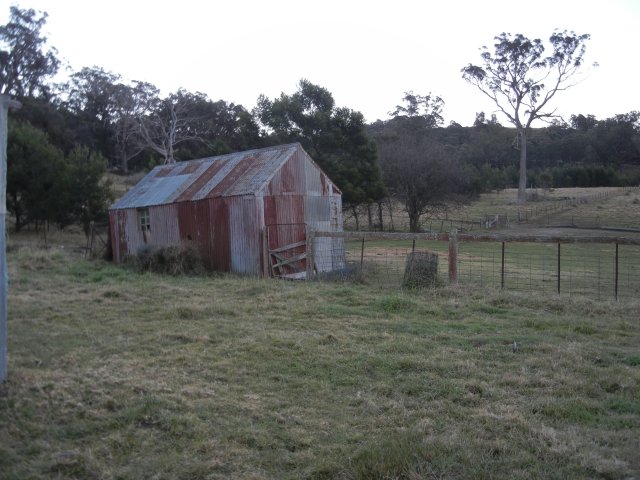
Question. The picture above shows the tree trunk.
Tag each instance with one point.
(124, 161)
(414, 220)
(522, 183)
(369, 217)
(380, 219)
(354, 209)
(17, 212)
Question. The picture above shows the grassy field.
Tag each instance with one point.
(586, 269)
(620, 209)
(116, 375)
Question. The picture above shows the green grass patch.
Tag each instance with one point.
(118, 374)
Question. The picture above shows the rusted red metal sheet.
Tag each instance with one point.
(288, 179)
(232, 177)
(189, 167)
(284, 221)
(220, 240)
(122, 235)
(245, 229)
(164, 171)
(193, 225)
(201, 181)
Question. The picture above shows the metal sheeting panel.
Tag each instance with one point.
(317, 208)
(151, 191)
(315, 180)
(127, 238)
(245, 233)
(283, 209)
(290, 178)
(221, 236)
(164, 226)
(232, 178)
(209, 170)
(241, 173)
(194, 227)
(206, 223)
(259, 170)
(321, 214)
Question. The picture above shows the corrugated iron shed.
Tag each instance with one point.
(235, 208)
(242, 173)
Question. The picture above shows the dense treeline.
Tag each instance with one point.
(428, 167)
(130, 126)
(66, 136)
(585, 152)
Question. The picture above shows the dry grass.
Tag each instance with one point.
(115, 374)
(621, 209)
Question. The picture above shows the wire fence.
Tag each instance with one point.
(597, 267)
(543, 209)
(556, 212)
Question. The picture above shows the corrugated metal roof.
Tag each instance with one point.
(239, 173)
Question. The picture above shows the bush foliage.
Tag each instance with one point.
(183, 259)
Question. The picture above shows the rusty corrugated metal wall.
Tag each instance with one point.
(226, 226)
(127, 238)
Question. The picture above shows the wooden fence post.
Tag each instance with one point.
(266, 261)
(310, 259)
(559, 272)
(502, 269)
(616, 273)
(453, 258)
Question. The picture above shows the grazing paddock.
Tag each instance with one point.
(564, 207)
(116, 374)
(574, 266)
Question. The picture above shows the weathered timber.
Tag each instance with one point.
(283, 261)
(288, 247)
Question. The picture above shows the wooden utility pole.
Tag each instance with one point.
(5, 104)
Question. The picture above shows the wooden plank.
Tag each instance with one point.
(310, 255)
(288, 261)
(276, 266)
(288, 247)
(294, 276)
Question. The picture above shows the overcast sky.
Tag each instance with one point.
(367, 54)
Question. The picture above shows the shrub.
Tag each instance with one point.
(183, 259)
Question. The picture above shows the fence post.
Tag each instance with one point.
(266, 260)
(502, 269)
(362, 254)
(310, 253)
(453, 257)
(558, 267)
(616, 280)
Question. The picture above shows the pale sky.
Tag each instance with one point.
(367, 54)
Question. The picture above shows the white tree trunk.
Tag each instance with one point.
(522, 182)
